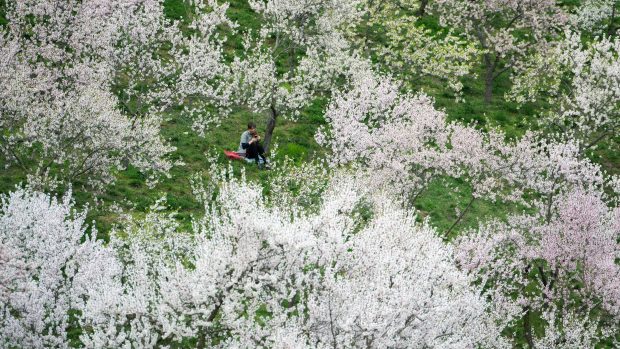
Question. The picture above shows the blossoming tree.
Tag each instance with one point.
(59, 118)
(581, 82)
(559, 266)
(505, 30)
(250, 274)
(306, 38)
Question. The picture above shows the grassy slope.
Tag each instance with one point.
(296, 140)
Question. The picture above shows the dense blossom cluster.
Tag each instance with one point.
(582, 82)
(596, 16)
(159, 284)
(399, 136)
(560, 263)
(61, 119)
(56, 269)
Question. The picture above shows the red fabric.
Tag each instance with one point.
(232, 155)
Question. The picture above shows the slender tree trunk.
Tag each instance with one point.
(611, 29)
(417, 195)
(202, 335)
(291, 59)
(488, 79)
(460, 217)
(527, 328)
(422, 9)
(13, 153)
(596, 141)
(202, 340)
(271, 124)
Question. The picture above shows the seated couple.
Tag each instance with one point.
(250, 145)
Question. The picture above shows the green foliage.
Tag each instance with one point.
(3, 20)
(240, 12)
(443, 197)
(296, 140)
(176, 9)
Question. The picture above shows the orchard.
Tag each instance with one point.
(309, 174)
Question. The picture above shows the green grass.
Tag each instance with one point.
(296, 140)
(176, 9)
(3, 20)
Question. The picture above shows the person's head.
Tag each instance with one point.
(251, 126)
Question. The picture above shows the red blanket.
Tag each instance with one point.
(233, 155)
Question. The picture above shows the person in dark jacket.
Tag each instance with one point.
(250, 145)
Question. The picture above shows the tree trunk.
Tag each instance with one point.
(202, 340)
(422, 9)
(202, 335)
(527, 328)
(488, 79)
(291, 59)
(460, 217)
(271, 124)
(367, 17)
(611, 29)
